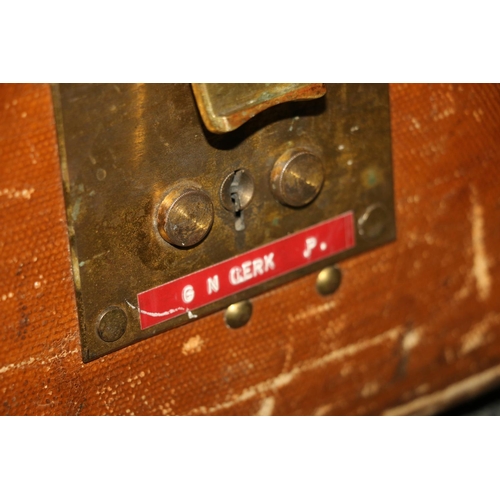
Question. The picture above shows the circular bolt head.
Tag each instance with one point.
(185, 215)
(373, 222)
(237, 315)
(328, 280)
(112, 324)
(297, 177)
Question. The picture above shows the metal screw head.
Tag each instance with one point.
(328, 280)
(373, 222)
(112, 324)
(238, 315)
(185, 215)
(297, 177)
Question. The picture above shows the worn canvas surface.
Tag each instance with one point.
(414, 327)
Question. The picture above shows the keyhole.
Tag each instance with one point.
(234, 190)
(235, 194)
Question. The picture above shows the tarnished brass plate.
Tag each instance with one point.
(225, 107)
(123, 147)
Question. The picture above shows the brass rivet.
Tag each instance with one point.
(297, 177)
(112, 324)
(373, 222)
(328, 280)
(237, 315)
(185, 215)
(101, 174)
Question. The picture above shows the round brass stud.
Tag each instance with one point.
(185, 215)
(238, 315)
(328, 280)
(373, 222)
(112, 324)
(297, 177)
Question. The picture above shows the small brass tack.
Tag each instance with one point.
(238, 314)
(328, 280)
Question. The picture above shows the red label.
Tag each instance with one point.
(244, 271)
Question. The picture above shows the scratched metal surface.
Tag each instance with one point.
(125, 146)
(414, 327)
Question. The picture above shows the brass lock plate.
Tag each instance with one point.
(169, 222)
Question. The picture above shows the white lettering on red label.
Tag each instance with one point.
(187, 294)
(213, 284)
(310, 246)
(251, 269)
(239, 273)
